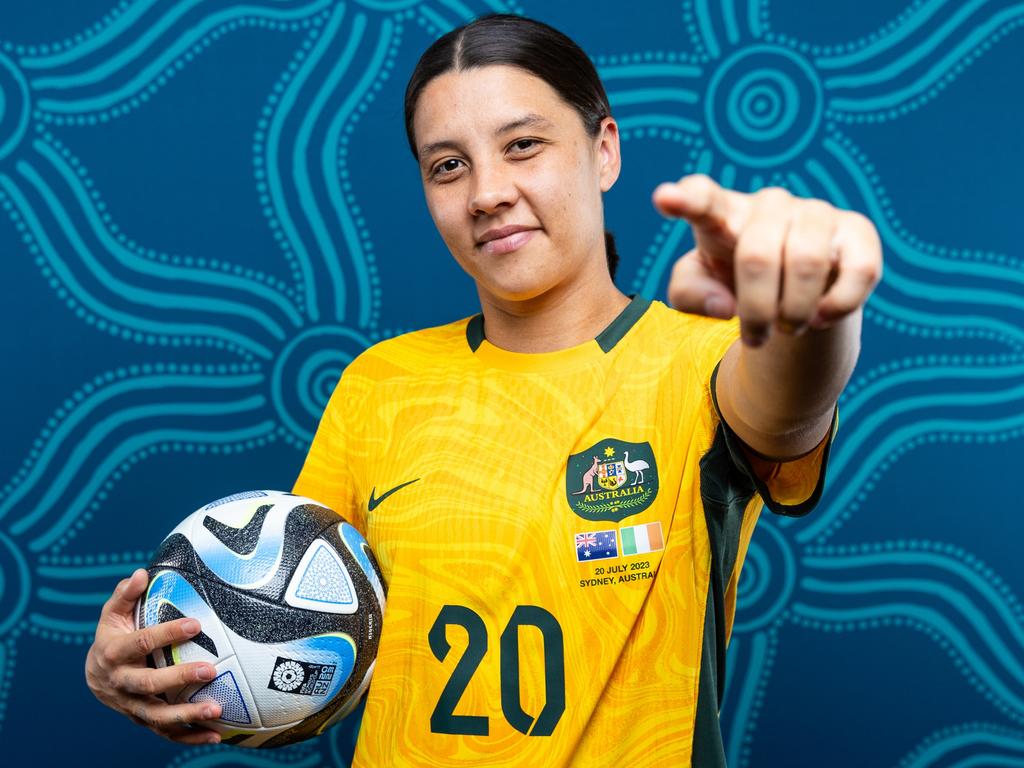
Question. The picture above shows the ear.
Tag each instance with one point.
(607, 146)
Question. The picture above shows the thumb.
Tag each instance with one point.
(122, 602)
(694, 288)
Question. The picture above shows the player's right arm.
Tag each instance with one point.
(116, 671)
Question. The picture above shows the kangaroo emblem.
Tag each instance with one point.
(588, 479)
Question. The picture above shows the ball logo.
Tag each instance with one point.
(301, 677)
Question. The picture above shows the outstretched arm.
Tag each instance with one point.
(797, 272)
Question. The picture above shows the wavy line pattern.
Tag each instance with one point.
(184, 366)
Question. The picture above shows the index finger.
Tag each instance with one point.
(135, 646)
(711, 209)
(127, 593)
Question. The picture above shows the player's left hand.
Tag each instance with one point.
(778, 261)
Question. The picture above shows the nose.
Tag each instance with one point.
(492, 188)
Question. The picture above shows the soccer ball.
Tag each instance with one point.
(290, 601)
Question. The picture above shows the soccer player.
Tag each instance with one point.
(561, 489)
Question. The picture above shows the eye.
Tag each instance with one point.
(445, 168)
(524, 145)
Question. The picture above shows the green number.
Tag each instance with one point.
(554, 671)
(444, 720)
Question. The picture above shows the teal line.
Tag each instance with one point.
(945, 320)
(72, 598)
(937, 621)
(460, 9)
(703, 15)
(21, 600)
(834, 192)
(59, 625)
(753, 679)
(85, 410)
(436, 19)
(954, 598)
(123, 23)
(617, 71)
(928, 373)
(160, 299)
(144, 266)
(976, 38)
(989, 761)
(940, 749)
(754, 18)
(300, 173)
(651, 96)
(887, 446)
(659, 121)
(727, 178)
(116, 316)
(799, 185)
(875, 422)
(328, 157)
(154, 68)
(274, 183)
(895, 242)
(732, 32)
(932, 292)
(947, 564)
(669, 250)
(903, 31)
(129, 448)
(229, 758)
(102, 429)
(78, 572)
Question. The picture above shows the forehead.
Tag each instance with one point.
(458, 105)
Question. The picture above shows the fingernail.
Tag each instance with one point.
(191, 626)
(787, 326)
(214, 739)
(716, 306)
(208, 713)
(205, 673)
(818, 321)
(754, 337)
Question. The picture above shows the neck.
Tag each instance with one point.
(558, 319)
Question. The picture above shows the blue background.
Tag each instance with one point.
(207, 208)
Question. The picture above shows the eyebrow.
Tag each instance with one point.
(530, 120)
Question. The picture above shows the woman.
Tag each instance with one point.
(561, 489)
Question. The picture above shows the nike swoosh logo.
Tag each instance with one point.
(372, 504)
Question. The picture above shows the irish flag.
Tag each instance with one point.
(640, 539)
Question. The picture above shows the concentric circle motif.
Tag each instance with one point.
(766, 581)
(763, 106)
(14, 106)
(307, 371)
(14, 584)
(288, 675)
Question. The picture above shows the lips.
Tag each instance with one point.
(506, 239)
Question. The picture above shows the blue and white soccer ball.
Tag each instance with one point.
(290, 600)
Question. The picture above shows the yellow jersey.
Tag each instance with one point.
(561, 535)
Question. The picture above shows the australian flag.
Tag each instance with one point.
(596, 545)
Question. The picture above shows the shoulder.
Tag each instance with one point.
(410, 354)
(683, 335)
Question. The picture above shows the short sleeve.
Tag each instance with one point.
(326, 475)
(791, 488)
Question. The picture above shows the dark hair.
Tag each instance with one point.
(530, 45)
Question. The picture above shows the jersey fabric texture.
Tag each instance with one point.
(561, 535)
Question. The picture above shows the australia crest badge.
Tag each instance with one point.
(611, 480)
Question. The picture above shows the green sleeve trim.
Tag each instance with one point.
(734, 444)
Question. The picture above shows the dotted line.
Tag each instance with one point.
(929, 631)
(757, 703)
(103, 558)
(8, 676)
(646, 57)
(89, 317)
(956, 438)
(259, 162)
(161, 448)
(690, 24)
(945, 549)
(935, 89)
(149, 253)
(103, 380)
(964, 729)
(44, 49)
(853, 45)
(922, 361)
(134, 102)
(928, 332)
(964, 254)
(346, 183)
